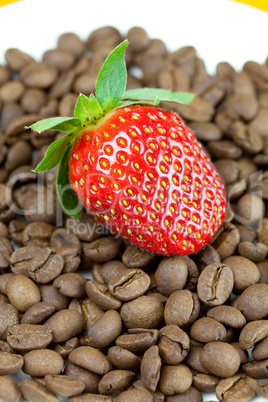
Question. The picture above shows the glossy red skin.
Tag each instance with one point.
(174, 211)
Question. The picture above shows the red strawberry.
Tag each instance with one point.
(139, 170)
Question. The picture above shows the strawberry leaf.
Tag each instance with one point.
(88, 110)
(156, 95)
(67, 197)
(112, 78)
(53, 154)
(65, 124)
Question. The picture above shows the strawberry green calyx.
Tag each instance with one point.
(110, 94)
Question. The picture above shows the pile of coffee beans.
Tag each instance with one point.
(145, 328)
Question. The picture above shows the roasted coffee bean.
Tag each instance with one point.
(90, 379)
(4, 231)
(103, 249)
(239, 387)
(174, 344)
(16, 59)
(105, 330)
(254, 252)
(227, 241)
(115, 381)
(150, 368)
(256, 368)
(175, 379)
(65, 324)
(9, 390)
(139, 385)
(101, 296)
(18, 287)
(6, 249)
(206, 131)
(135, 395)
(227, 315)
(62, 238)
(91, 359)
(51, 295)
(220, 358)
(182, 308)
(71, 284)
(215, 284)
(123, 359)
(63, 385)
(245, 272)
(9, 316)
(137, 340)
(135, 257)
(191, 395)
(41, 362)
(142, 312)
(110, 269)
(207, 329)
(171, 275)
(252, 333)
(205, 382)
(129, 284)
(25, 337)
(228, 169)
(16, 228)
(252, 302)
(37, 234)
(10, 363)
(262, 389)
(33, 391)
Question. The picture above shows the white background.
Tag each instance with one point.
(221, 30)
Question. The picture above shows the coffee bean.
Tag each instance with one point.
(252, 333)
(256, 368)
(103, 249)
(51, 295)
(207, 329)
(205, 382)
(9, 390)
(142, 312)
(90, 379)
(171, 275)
(9, 316)
(6, 250)
(110, 269)
(16, 228)
(67, 347)
(220, 358)
(175, 379)
(11, 91)
(37, 234)
(41, 362)
(174, 344)
(71, 284)
(254, 252)
(123, 359)
(139, 385)
(137, 340)
(36, 392)
(135, 395)
(63, 385)
(252, 302)
(105, 330)
(115, 381)
(18, 287)
(227, 315)
(135, 257)
(191, 395)
(40, 75)
(182, 308)
(25, 337)
(239, 387)
(100, 295)
(91, 359)
(228, 169)
(150, 368)
(10, 363)
(215, 284)
(129, 284)
(245, 272)
(33, 99)
(16, 59)
(193, 360)
(262, 389)
(65, 324)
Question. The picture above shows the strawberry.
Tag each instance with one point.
(138, 169)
